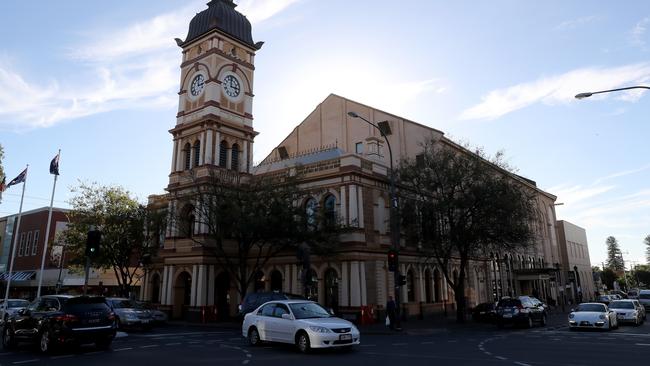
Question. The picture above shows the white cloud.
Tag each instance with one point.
(637, 35)
(622, 174)
(559, 89)
(132, 66)
(575, 23)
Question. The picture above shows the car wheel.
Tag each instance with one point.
(302, 341)
(543, 321)
(8, 340)
(104, 343)
(118, 324)
(45, 344)
(254, 337)
(530, 322)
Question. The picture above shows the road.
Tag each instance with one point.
(174, 345)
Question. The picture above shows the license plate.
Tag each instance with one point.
(93, 321)
(481, 312)
(507, 315)
(145, 321)
(345, 337)
(620, 316)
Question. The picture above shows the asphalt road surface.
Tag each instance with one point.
(174, 345)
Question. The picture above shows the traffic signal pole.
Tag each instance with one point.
(86, 278)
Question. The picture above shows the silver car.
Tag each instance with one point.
(639, 307)
(627, 312)
(129, 315)
(303, 323)
(13, 306)
(644, 299)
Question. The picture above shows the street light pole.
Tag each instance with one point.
(394, 222)
(588, 94)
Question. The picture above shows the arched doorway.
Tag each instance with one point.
(259, 284)
(331, 290)
(276, 281)
(182, 294)
(410, 286)
(427, 286)
(312, 285)
(222, 295)
(155, 288)
(437, 285)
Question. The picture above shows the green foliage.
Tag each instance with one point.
(646, 241)
(128, 230)
(608, 276)
(2, 171)
(457, 203)
(252, 219)
(614, 255)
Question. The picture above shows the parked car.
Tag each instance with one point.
(129, 316)
(633, 294)
(485, 312)
(621, 295)
(592, 315)
(13, 305)
(640, 308)
(56, 320)
(519, 311)
(253, 300)
(159, 317)
(538, 302)
(626, 312)
(303, 323)
(604, 299)
(644, 299)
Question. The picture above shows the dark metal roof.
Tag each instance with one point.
(221, 15)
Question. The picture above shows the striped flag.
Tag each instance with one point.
(19, 179)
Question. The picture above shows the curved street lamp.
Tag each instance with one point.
(588, 94)
(394, 224)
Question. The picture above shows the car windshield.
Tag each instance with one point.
(644, 296)
(509, 302)
(122, 304)
(18, 303)
(308, 310)
(621, 305)
(591, 307)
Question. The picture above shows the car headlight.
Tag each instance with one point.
(316, 329)
(572, 315)
(601, 316)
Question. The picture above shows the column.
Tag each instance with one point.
(286, 278)
(295, 283)
(228, 158)
(243, 165)
(380, 278)
(202, 149)
(208, 147)
(179, 156)
(211, 280)
(420, 296)
(404, 289)
(360, 207)
(201, 287)
(170, 285)
(165, 279)
(170, 216)
(194, 285)
(175, 156)
(364, 292)
(144, 286)
(355, 290)
(344, 209)
(345, 292)
(249, 161)
(354, 213)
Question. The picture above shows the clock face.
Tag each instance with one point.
(231, 86)
(197, 85)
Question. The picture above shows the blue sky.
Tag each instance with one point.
(99, 81)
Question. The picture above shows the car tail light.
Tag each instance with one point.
(111, 316)
(67, 318)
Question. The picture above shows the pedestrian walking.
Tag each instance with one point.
(391, 309)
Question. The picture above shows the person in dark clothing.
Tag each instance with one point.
(391, 310)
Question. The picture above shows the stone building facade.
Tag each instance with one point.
(343, 159)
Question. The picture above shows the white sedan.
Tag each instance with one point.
(626, 311)
(303, 323)
(592, 316)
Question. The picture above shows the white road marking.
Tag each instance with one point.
(501, 358)
(149, 346)
(399, 344)
(172, 344)
(522, 364)
(245, 362)
(26, 361)
(59, 357)
(642, 344)
(488, 353)
(123, 349)
(426, 342)
(93, 353)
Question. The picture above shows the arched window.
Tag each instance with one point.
(330, 209)
(276, 281)
(311, 207)
(187, 151)
(189, 221)
(331, 290)
(410, 285)
(197, 153)
(223, 154)
(437, 285)
(234, 161)
(312, 285)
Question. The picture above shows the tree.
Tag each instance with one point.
(614, 255)
(130, 232)
(646, 241)
(247, 220)
(460, 205)
(608, 276)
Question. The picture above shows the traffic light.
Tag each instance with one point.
(392, 260)
(92, 243)
(402, 280)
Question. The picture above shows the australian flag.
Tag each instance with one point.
(19, 179)
(54, 165)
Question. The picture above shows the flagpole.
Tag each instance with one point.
(47, 233)
(16, 231)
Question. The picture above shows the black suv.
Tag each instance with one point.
(520, 310)
(57, 320)
(255, 299)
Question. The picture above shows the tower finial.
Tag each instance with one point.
(227, 2)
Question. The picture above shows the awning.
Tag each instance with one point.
(18, 276)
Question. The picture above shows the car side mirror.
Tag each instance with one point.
(331, 311)
(573, 310)
(287, 316)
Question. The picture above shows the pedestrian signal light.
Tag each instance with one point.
(92, 243)
(392, 260)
